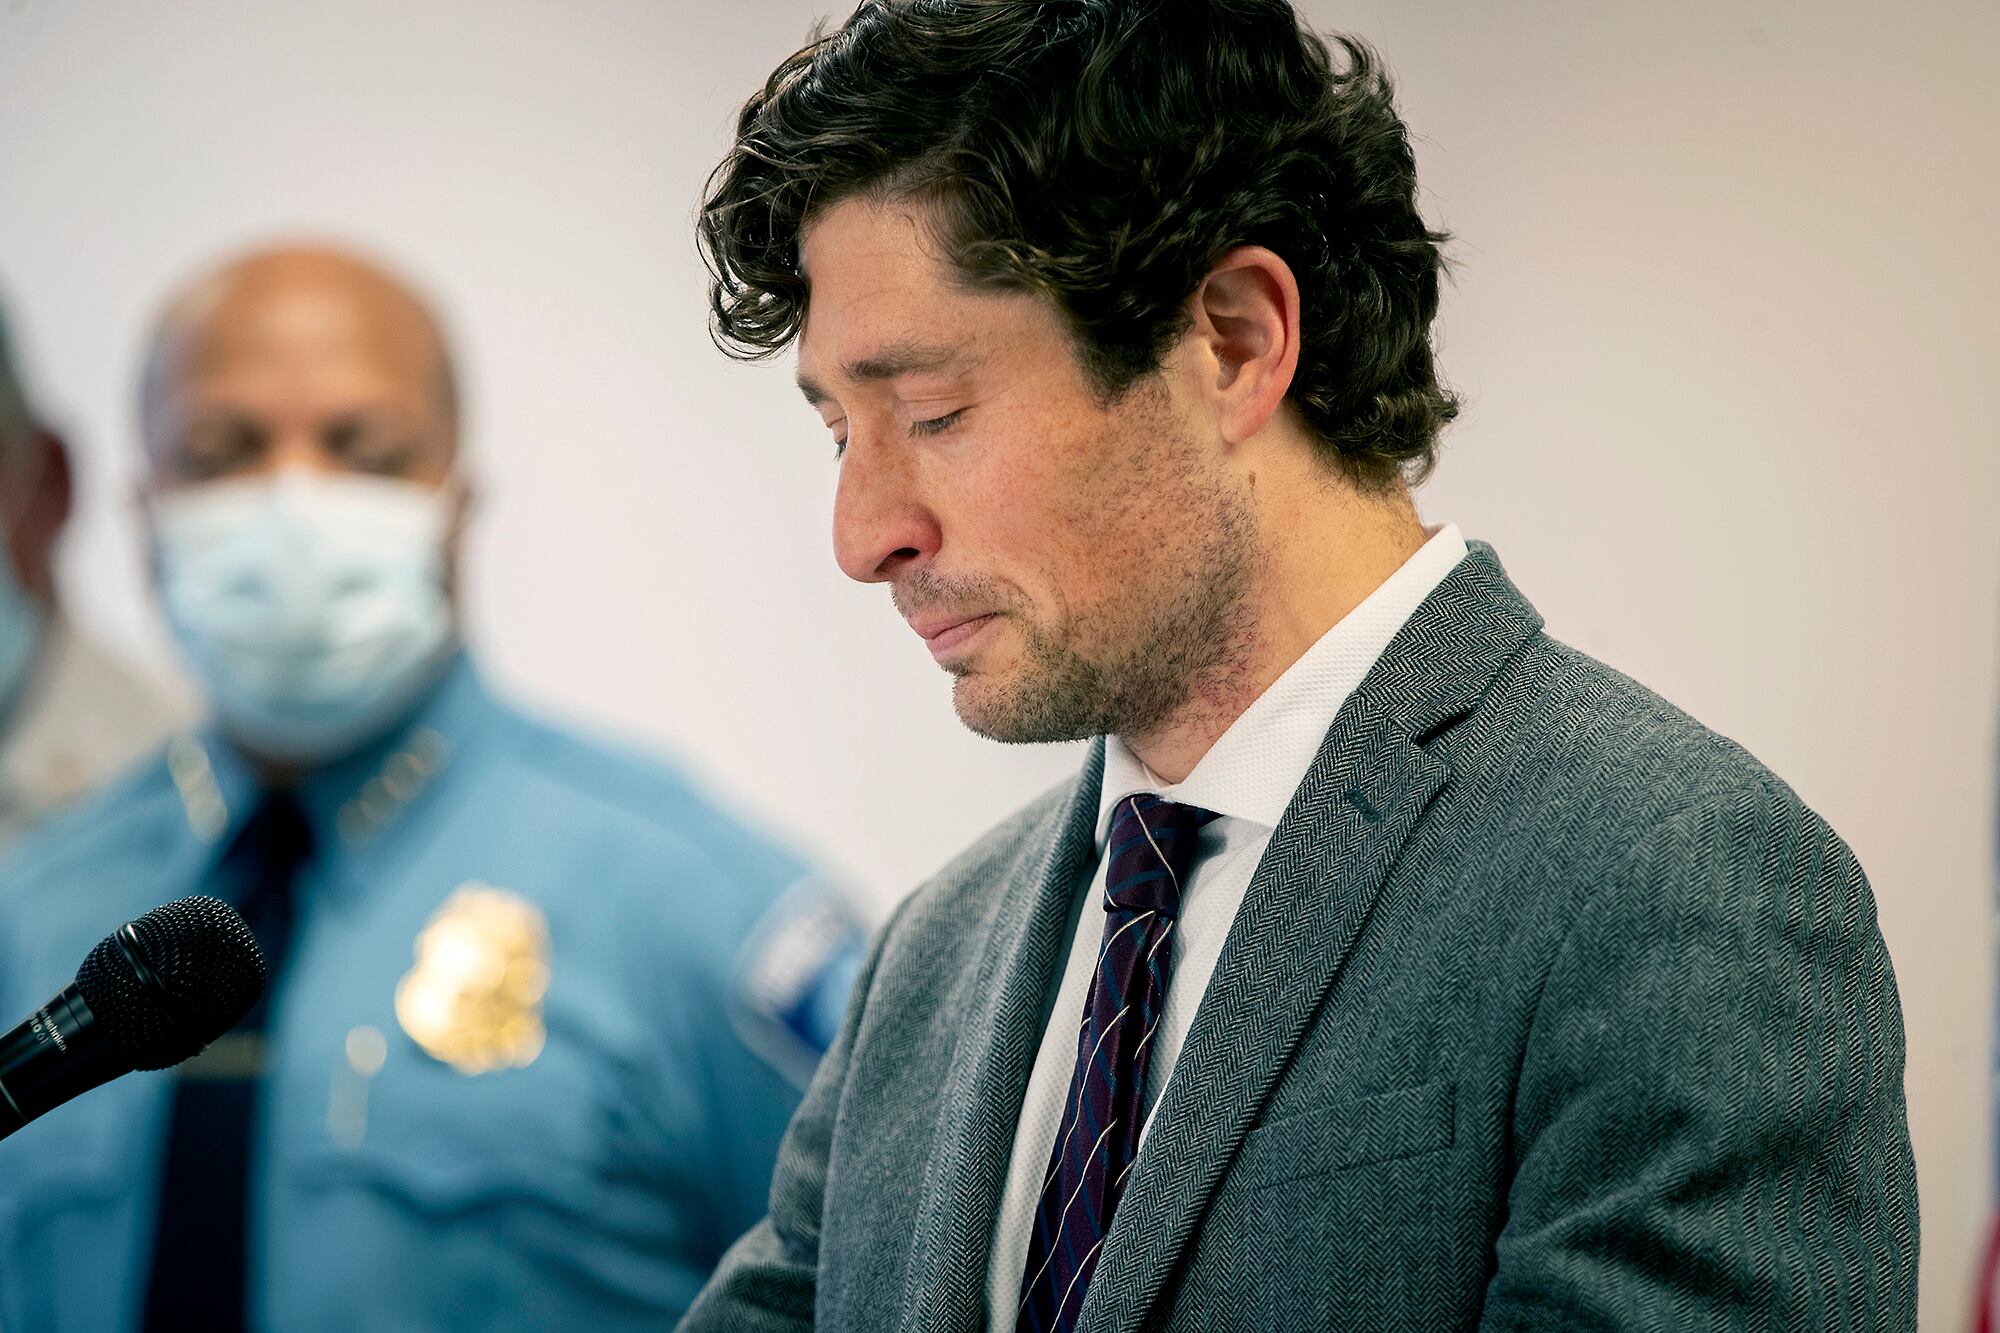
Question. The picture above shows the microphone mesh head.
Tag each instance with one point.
(207, 973)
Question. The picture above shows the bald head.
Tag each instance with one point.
(301, 357)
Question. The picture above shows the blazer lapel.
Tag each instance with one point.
(1364, 795)
(1001, 1029)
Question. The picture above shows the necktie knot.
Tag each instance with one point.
(1152, 845)
(260, 876)
(276, 836)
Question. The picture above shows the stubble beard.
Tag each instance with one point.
(1176, 635)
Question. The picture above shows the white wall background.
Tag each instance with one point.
(1727, 315)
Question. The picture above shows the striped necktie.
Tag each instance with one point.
(1152, 844)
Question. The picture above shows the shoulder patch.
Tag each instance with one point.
(790, 985)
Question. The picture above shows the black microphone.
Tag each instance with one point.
(152, 993)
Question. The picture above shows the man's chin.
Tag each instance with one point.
(1012, 714)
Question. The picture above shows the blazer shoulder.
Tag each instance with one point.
(1573, 736)
(1610, 813)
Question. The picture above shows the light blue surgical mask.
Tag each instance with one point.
(312, 606)
(21, 621)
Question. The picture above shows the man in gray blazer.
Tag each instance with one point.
(1389, 965)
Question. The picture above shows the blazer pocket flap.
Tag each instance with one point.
(1379, 1128)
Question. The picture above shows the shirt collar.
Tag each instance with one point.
(350, 800)
(1252, 770)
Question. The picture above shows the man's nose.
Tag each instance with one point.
(881, 526)
(300, 448)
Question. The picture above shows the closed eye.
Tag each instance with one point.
(936, 425)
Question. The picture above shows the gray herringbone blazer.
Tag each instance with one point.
(1547, 1009)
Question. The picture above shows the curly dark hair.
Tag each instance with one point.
(1107, 153)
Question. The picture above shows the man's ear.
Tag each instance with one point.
(1244, 338)
(45, 511)
(56, 495)
(462, 499)
(145, 488)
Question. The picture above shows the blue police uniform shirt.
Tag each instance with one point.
(544, 1020)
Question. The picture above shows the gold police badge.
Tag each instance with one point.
(474, 999)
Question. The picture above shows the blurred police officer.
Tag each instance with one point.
(71, 714)
(523, 1061)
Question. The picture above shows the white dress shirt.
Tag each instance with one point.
(82, 717)
(1247, 777)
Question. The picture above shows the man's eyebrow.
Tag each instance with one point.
(890, 363)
